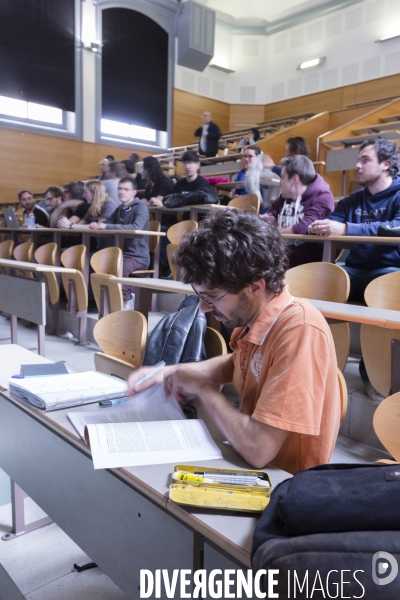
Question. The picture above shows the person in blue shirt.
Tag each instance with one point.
(362, 213)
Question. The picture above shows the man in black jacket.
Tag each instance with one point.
(209, 135)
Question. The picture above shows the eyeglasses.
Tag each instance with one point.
(248, 156)
(209, 304)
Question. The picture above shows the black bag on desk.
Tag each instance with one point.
(330, 519)
(200, 196)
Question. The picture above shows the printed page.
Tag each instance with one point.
(150, 405)
(149, 443)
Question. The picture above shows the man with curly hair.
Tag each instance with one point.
(283, 361)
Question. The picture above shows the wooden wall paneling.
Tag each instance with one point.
(309, 130)
(186, 115)
(320, 102)
(385, 87)
(245, 115)
(340, 117)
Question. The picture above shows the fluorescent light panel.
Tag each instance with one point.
(311, 63)
(388, 37)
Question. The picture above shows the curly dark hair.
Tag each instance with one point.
(232, 249)
(386, 151)
(154, 170)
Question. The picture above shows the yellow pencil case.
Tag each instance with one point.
(225, 496)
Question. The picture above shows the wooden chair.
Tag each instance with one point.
(214, 343)
(154, 242)
(107, 261)
(46, 254)
(24, 252)
(376, 342)
(6, 249)
(175, 234)
(343, 395)
(249, 203)
(324, 281)
(122, 338)
(107, 294)
(75, 287)
(386, 424)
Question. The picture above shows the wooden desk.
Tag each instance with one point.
(213, 160)
(128, 506)
(119, 238)
(333, 242)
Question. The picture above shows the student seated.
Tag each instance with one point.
(253, 135)
(362, 213)
(294, 145)
(158, 185)
(305, 196)
(98, 206)
(30, 207)
(251, 156)
(131, 214)
(283, 363)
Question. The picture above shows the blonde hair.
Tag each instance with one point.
(100, 197)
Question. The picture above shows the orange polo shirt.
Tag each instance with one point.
(285, 370)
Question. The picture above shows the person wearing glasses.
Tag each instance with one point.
(283, 361)
(251, 156)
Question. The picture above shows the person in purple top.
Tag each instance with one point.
(362, 213)
(305, 197)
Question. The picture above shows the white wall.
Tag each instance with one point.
(266, 66)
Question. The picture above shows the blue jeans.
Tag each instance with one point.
(359, 279)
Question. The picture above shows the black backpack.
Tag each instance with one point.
(333, 527)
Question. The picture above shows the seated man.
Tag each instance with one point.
(283, 363)
(31, 208)
(131, 214)
(305, 197)
(258, 171)
(362, 213)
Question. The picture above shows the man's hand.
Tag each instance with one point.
(269, 218)
(187, 383)
(134, 385)
(95, 225)
(327, 227)
(63, 223)
(155, 202)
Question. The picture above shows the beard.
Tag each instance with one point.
(240, 316)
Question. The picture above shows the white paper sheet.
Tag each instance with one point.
(150, 405)
(148, 443)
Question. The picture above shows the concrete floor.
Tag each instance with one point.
(40, 564)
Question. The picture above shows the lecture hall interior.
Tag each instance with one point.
(87, 84)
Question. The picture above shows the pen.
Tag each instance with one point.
(224, 478)
(151, 373)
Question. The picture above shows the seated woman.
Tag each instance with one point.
(251, 156)
(294, 145)
(158, 185)
(100, 207)
(253, 135)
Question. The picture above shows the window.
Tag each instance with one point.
(115, 130)
(32, 114)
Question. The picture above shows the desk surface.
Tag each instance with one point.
(76, 229)
(231, 531)
(349, 239)
(12, 357)
(233, 185)
(20, 264)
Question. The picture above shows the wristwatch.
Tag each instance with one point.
(71, 225)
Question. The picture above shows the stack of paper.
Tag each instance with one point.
(62, 391)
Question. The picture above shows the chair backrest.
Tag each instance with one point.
(114, 291)
(214, 343)
(6, 249)
(107, 261)
(249, 203)
(319, 281)
(154, 240)
(176, 232)
(170, 250)
(46, 254)
(383, 292)
(24, 252)
(123, 335)
(80, 289)
(376, 342)
(74, 257)
(386, 424)
(52, 287)
(343, 395)
(64, 210)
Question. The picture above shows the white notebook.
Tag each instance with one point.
(62, 391)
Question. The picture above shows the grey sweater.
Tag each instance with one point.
(133, 216)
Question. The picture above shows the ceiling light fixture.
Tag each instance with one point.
(388, 37)
(221, 68)
(93, 46)
(311, 63)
